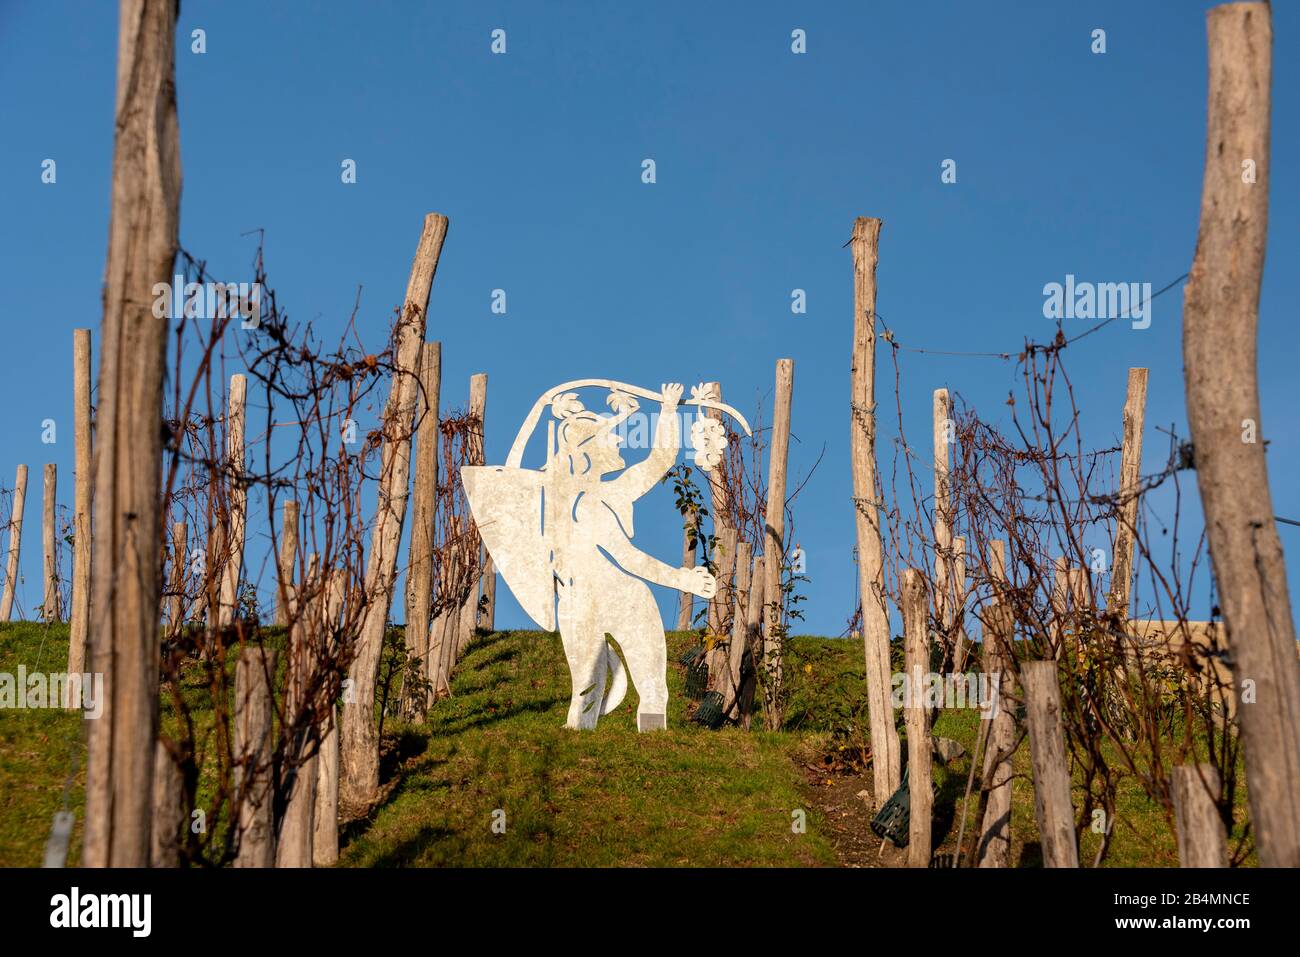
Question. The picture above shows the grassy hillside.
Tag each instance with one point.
(41, 751)
(496, 754)
(609, 797)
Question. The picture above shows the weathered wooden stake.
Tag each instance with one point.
(359, 736)
(720, 618)
(79, 618)
(293, 846)
(442, 637)
(1052, 804)
(916, 653)
(943, 575)
(753, 636)
(214, 568)
(730, 665)
(325, 835)
(716, 478)
(1220, 338)
(997, 559)
(469, 611)
(254, 712)
(686, 603)
(15, 544)
(724, 563)
(419, 573)
(487, 619)
(237, 497)
(125, 580)
(1130, 476)
(168, 810)
(325, 838)
(1202, 841)
(50, 603)
(176, 604)
(959, 602)
(994, 848)
(285, 593)
(885, 750)
(774, 543)
(1060, 603)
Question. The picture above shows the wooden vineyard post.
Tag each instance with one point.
(287, 563)
(725, 563)
(469, 610)
(79, 615)
(325, 833)
(730, 664)
(176, 604)
(1052, 805)
(1220, 339)
(943, 576)
(1060, 603)
(994, 849)
(886, 757)
(916, 651)
(168, 810)
(487, 618)
(686, 603)
(1081, 600)
(1130, 479)
(237, 496)
(359, 736)
(254, 711)
(213, 572)
(293, 846)
(15, 544)
(753, 638)
(488, 576)
(50, 603)
(717, 608)
(442, 637)
(125, 581)
(1202, 841)
(959, 602)
(774, 546)
(419, 574)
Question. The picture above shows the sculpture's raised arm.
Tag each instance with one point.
(645, 475)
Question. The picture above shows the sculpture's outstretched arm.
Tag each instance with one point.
(638, 479)
(631, 559)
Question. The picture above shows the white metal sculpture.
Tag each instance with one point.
(561, 537)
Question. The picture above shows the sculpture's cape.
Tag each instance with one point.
(507, 507)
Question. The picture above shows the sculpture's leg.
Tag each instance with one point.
(645, 650)
(585, 652)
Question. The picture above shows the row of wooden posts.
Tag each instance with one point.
(1202, 840)
(309, 832)
(179, 610)
(1220, 329)
(747, 607)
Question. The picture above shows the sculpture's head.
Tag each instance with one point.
(588, 445)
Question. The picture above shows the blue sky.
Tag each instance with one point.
(1067, 162)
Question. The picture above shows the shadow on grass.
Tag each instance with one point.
(483, 719)
(398, 748)
(409, 851)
